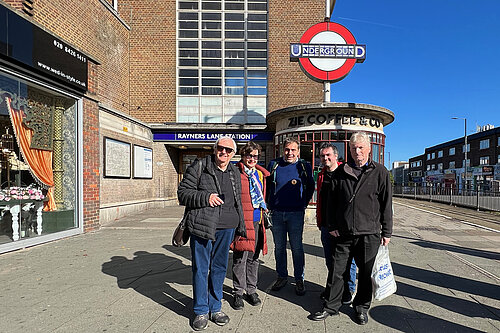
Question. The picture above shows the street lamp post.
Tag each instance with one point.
(465, 151)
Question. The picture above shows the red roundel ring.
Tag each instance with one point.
(316, 73)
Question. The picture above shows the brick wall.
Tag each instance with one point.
(92, 28)
(152, 58)
(91, 160)
(288, 85)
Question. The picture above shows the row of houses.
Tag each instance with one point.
(444, 164)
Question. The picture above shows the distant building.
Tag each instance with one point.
(400, 172)
(443, 164)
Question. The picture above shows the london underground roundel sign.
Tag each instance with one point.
(327, 52)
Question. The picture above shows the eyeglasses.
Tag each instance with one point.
(255, 157)
(227, 149)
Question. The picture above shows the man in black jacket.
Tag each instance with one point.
(360, 220)
(211, 192)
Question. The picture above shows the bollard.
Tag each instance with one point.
(477, 198)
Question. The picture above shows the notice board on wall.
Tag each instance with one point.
(143, 162)
(116, 158)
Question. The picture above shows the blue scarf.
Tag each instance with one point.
(255, 189)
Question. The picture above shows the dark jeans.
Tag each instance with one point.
(328, 242)
(364, 249)
(289, 224)
(209, 265)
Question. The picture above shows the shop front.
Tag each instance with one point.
(39, 136)
(314, 124)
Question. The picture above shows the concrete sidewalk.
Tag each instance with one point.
(127, 277)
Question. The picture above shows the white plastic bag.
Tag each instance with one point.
(382, 275)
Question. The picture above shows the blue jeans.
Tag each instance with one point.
(327, 241)
(209, 265)
(291, 223)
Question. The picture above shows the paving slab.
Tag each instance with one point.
(127, 277)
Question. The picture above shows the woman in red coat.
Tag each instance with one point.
(246, 250)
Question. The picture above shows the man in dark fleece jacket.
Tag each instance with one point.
(211, 192)
(289, 189)
(360, 221)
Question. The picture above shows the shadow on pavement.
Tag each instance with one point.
(453, 248)
(405, 320)
(153, 275)
(454, 304)
(449, 281)
(310, 302)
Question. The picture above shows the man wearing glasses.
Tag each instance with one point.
(211, 192)
(290, 188)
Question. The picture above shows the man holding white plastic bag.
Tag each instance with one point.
(359, 218)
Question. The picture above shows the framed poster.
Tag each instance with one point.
(116, 158)
(143, 162)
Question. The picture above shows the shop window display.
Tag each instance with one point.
(37, 160)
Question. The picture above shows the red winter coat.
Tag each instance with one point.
(248, 243)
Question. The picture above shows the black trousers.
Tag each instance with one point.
(363, 249)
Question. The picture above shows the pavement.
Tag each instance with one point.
(127, 277)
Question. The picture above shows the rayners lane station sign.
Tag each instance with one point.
(327, 52)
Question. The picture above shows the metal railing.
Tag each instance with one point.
(478, 198)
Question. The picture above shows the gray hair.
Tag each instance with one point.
(326, 145)
(225, 137)
(360, 137)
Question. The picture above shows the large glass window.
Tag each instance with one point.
(484, 160)
(452, 151)
(37, 160)
(222, 53)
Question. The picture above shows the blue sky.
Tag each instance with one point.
(426, 61)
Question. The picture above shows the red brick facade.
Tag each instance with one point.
(152, 59)
(132, 71)
(288, 85)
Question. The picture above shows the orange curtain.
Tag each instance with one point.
(40, 161)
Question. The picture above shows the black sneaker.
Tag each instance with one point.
(200, 322)
(220, 318)
(253, 299)
(238, 302)
(347, 297)
(300, 289)
(279, 283)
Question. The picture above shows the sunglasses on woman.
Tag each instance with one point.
(249, 156)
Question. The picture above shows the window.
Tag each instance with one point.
(222, 61)
(440, 166)
(428, 156)
(419, 163)
(428, 167)
(25, 100)
(468, 148)
(498, 159)
(484, 160)
(440, 153)
(468, 162)
(451, 165)
(498, 141)
(433, 155)
(483, 144)
(452, 151)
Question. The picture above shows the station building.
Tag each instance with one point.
(104, 103)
